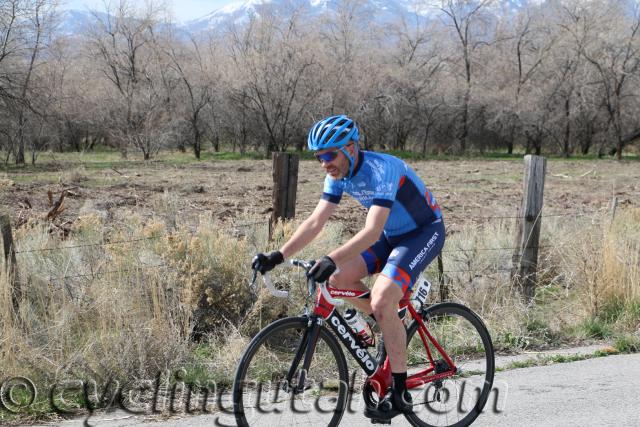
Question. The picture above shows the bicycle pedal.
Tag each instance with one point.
(378, 416)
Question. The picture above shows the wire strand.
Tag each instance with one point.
(102, 273)
(502, 249)
(484, 270)
(236, 226)
(573, 214)
(119, 242)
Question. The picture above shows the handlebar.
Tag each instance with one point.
(311, 283)
(272, 289)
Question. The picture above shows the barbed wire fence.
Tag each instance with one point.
(141, 266)
(233, 228)
(451, 220)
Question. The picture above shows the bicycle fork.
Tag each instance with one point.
(306, 347)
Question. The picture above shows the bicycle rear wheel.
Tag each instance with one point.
(455, 401)
(262, 395)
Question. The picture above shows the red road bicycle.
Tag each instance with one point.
(294, 371)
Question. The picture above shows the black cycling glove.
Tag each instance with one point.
(323, 269)
(266, 262)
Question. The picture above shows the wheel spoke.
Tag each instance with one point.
(452, 400)
(264, 397)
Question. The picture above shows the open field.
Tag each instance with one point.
(229, 189)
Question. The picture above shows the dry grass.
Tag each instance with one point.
(5, 183)
(123, 323)
(588, 278)
(76, 175)
(127, 311)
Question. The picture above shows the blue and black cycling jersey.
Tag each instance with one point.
(384, 180)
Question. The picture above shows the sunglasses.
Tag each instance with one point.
(327, 157)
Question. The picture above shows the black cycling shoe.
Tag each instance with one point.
(392, 405)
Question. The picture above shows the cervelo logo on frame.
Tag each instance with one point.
(356, 350)
(342, 293)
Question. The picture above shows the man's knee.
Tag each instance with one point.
(384, 302)
(380, 308)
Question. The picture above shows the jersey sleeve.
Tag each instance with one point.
(385, 183)
(333, 190)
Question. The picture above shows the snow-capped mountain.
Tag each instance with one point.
(238, 12)
(380, 11)
(72, 22)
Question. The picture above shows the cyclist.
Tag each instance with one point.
(404, 231)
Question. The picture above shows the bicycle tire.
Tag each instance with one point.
(466, 340)
(266, 361)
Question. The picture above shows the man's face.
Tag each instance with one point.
(339, 166)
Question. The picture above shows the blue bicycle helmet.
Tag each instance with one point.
(334, 132)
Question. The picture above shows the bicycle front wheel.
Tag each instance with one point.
(455, 401)
(267, 390)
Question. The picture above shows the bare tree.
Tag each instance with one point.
(198, 75)
(123, 42)
(71, 87)
(466, 18)
(525, 50)
(25, 28)
(342, 42)
(414, 77)
(272, 65)
(11, 44)
(586, 120)
(615, 56)
(236, 119)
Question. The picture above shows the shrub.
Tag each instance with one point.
(627, 343)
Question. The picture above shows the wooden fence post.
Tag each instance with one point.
(10, 260)
(525, 257)
(285, 185)
(614, 207)
(443, 286)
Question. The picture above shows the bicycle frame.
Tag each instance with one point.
(379, 376)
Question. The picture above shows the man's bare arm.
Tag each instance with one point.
(309, 229)
(376, 219)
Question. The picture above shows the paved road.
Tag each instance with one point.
(596, 392)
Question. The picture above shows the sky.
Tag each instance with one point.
(183, 10)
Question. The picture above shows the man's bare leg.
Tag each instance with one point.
(385, 297)
(350, 277)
